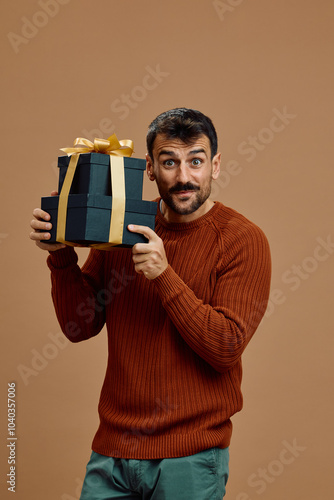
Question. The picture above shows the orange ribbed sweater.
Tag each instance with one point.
(174, 343)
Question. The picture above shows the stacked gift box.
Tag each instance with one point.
(89, 203)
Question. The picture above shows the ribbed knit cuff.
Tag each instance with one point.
(62, 258)
(169, 284)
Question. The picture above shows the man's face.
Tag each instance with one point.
(183, 173)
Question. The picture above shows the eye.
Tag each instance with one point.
(169, 163)
(196, 162)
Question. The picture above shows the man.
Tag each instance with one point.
(179, 311)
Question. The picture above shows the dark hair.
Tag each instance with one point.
(184, 124)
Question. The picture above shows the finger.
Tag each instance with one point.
(36, 236)
(41, 214)
(145, 230)
(54, 193)
(51, 247)
(139, 258)
(141, 249)
(141, 268)
(40, 225)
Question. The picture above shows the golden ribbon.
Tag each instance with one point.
(112, 147)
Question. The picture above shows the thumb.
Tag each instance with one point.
(145, 230)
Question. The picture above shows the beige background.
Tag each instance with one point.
(242, 63)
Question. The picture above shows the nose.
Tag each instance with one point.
(183, 173)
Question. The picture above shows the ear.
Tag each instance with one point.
(149, 168)
(216, 166)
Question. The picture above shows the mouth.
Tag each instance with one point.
(184, 194)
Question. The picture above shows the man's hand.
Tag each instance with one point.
(149, 258)
(40, 222)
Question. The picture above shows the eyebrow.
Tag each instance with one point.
(171, 153)
(165, 152)
(196, 151)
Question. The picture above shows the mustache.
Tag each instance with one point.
(188, 186)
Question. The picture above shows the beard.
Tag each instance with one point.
(181, 207)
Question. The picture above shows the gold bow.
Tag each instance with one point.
(112, 147)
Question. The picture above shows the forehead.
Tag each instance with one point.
(177, 147)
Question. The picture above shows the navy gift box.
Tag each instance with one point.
(93, 175)
(88, 218)
(90, 201)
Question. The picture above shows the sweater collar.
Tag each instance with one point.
(182, 226)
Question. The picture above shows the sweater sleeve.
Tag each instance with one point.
(75, 293)
(220, 330)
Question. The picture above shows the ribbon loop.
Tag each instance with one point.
(101, 145)
(110, 146)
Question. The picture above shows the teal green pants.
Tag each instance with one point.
(198, 477)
